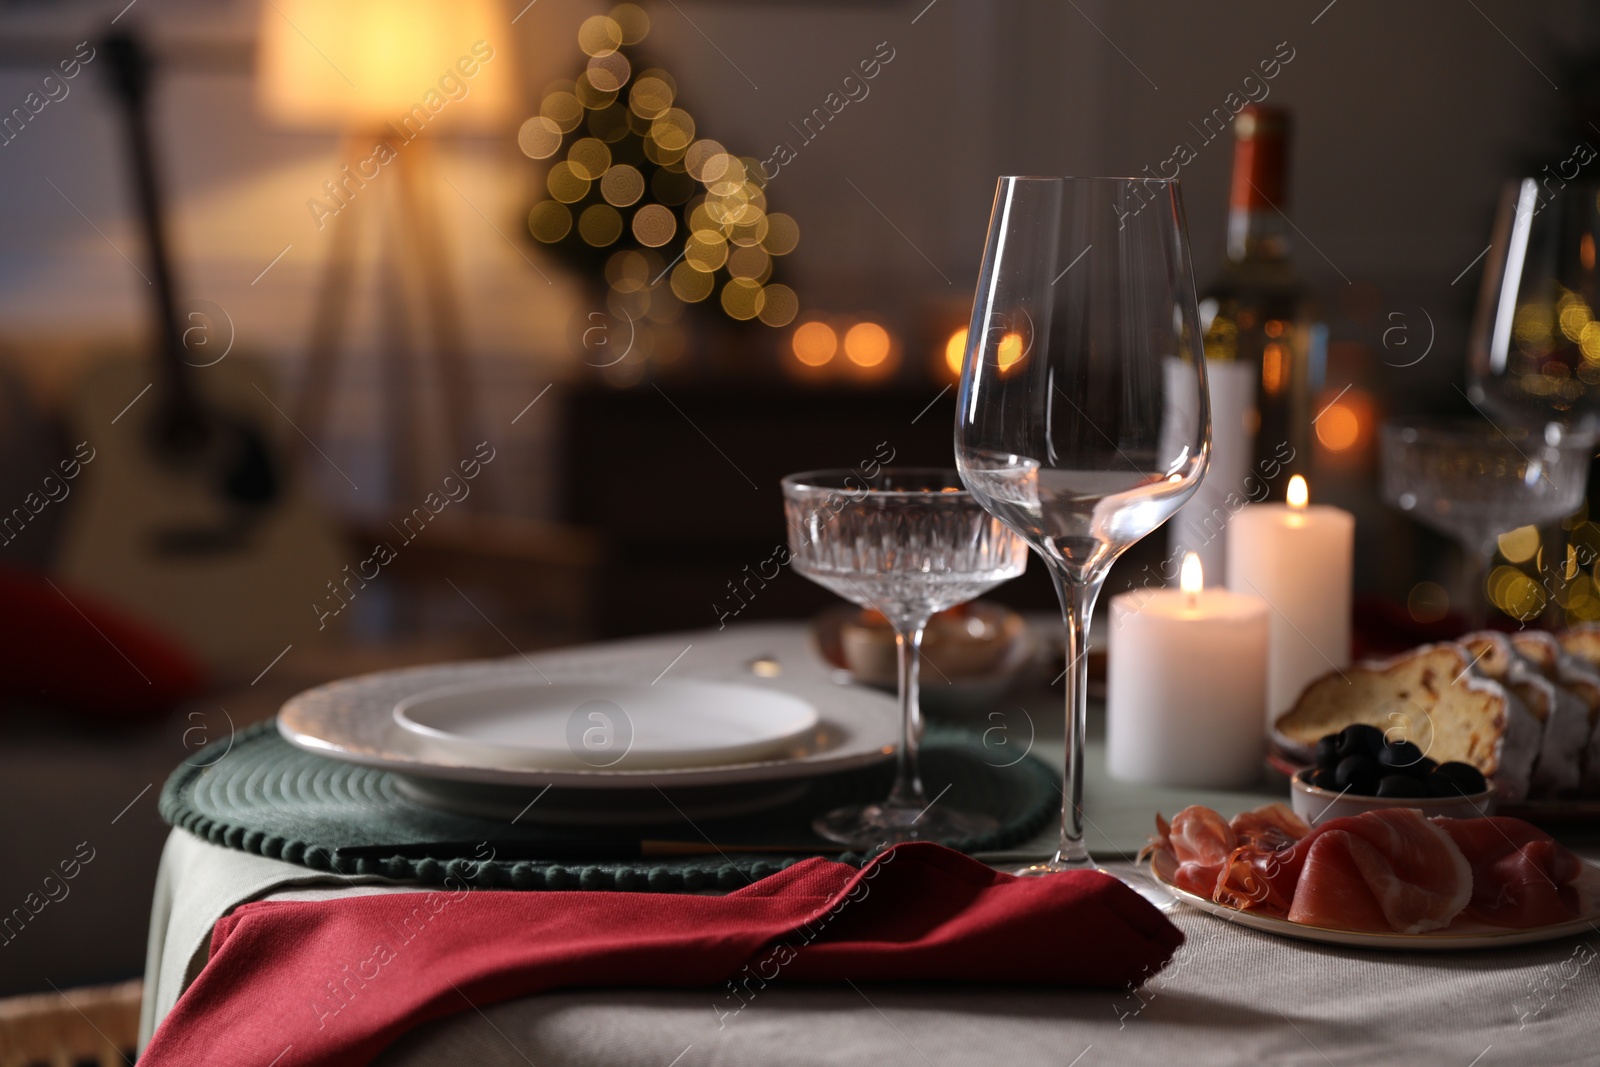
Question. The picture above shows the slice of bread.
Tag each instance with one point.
(1579, 670)
(1431, 696)
(1564, 717)
(1582, 641)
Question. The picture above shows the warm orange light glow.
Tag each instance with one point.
(1274, 366)
(1338, 428)
(1010, 351)
(1299, 492)
(373, 63)
(866, 344)
(1191, 579)
(814, 343)
(1586, 251)
(955, 351)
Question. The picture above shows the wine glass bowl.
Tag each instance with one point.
(1082, 419)
(1535, 341)
(1473, 481)
(907, 543)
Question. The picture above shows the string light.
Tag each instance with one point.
(673, 217)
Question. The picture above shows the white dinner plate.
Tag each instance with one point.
(354, 720)
(598, 725)
(1475, 936)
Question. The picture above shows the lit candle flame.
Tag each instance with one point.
(1299, 493)
(1190, 578)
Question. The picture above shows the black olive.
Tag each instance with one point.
(1360, 740)
(1456, 779)
(1328, 751)
(1401, 785)
(1321, 777)
(1400, 756)
(1358, 774)
(1421, 769)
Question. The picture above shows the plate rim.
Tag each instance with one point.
(437, 736)
(1392, 942)
(823, 695)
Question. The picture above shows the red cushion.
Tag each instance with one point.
(62, 647)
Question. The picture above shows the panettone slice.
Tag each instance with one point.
(1431, 696)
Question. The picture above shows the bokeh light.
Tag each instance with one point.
(1519, 545)
(599, 35)
(600, 225)
(1010, 351)
(654, 225)
(1428, 602)
(955, 351)
(866, 344)
(814, 343)
(1338, 427)
(779, 305)
(539, 138)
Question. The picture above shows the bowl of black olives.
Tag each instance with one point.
(1359, 769)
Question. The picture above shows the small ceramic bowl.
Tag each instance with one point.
(1316, 805)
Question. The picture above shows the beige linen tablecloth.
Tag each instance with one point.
(1232, 996)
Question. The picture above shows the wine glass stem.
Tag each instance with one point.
(1077, 606)
(907, 791)
(1479, 557)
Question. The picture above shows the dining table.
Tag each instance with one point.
(1231, 995)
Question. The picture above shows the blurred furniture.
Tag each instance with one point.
(681, 482)
(524, 581)
(381, 72)
(75, 1027)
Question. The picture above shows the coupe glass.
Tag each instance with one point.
(906, 543)
(1082, 421)
(1473, 481)
(1535, 340)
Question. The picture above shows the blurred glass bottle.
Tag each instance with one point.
(1265, 349)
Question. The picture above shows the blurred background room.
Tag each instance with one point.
(336, 338)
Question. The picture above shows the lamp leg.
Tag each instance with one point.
(423, 226)
(315, 397)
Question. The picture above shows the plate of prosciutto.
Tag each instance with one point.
(1389, 878)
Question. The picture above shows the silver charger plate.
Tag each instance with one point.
(353, 720)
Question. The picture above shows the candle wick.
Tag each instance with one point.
(1194, 601)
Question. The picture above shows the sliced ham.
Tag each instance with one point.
(1260, 873)
(1382, 871)
(1334, 892)
(1390, 863)
(1200, 842)
(1521, 878)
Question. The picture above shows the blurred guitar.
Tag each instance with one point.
(188, 516)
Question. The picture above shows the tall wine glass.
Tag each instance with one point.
(1082, 420)
(1535, 341)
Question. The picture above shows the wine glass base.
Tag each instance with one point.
(868, 826)
(1151, 891)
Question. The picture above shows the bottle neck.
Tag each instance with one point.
(1258, 196)
(1257, 235)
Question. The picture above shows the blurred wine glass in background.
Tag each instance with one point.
(1535, 341)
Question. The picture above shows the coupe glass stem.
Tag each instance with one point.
(1077, 607)
(907, 791)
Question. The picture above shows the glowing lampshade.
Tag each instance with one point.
(363, 63)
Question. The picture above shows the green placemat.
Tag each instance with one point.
(267, 797)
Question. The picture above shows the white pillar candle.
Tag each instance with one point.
(1186, 681)
(1297, 558)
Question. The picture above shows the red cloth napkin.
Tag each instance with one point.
(334, 982)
